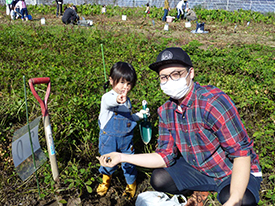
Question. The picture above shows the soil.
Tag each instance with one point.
(220, 35)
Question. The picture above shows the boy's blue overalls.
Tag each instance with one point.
(117, 135)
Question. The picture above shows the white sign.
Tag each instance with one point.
(166, 27)
(43, 20)
(21, 148)
(22, 152)
(124, 17)
(188, 24)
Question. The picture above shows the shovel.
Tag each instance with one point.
(145, 127)
(46, 121)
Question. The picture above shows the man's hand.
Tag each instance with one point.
(239, 180)
(110, 160)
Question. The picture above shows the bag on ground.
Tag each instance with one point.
(154, 198)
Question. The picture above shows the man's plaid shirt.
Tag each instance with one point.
(207, 130)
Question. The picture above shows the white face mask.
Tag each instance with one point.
(176, 89)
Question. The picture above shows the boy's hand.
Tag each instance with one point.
(142, 112)
(121, 98)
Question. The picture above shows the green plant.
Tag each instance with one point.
(78, 177)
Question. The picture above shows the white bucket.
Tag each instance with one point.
(43, 21)
(166, 27)
(124, 17)
(188, 24)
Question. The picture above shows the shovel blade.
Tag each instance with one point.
(145, 131)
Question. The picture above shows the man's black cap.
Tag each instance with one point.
(172, 55)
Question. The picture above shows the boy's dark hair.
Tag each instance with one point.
(122, 70)
(147, 4)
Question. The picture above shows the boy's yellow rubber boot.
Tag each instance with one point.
(130, 190)
(104, 186)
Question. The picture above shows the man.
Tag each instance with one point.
(70, 15)
(202, 145)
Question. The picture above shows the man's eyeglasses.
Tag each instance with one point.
(175, 75)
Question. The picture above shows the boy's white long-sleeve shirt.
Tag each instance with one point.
(109, 105)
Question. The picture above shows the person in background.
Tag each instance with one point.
(8, 6)
(185, 5)
(13, 3)
(190, 15)
(166, 8)
(13, 13)
(23, 9)
(117, 124)
(59, 7)
(16, 10)
(70, 15)
(103, 10)
(202, 145)
(147, 11)
(179, 7)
